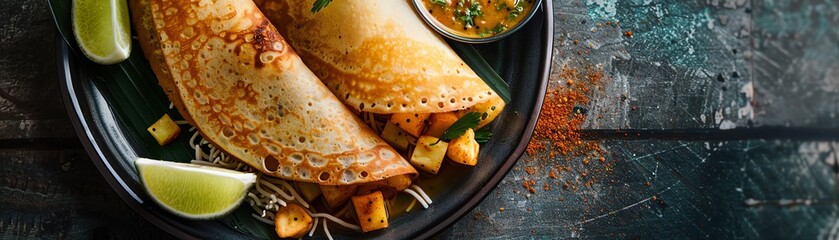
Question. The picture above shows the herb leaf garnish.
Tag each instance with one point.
(440, 2)
(320, 4)
(516, 11)
(468, 16)
(483, 136)
(459, 127)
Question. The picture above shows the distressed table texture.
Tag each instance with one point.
(684, 76)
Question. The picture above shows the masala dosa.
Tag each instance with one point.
(378, 56)
(234, 78)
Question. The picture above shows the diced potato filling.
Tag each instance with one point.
(371, 211)
(464, 149)
(164, 130)
(413, 123)
(292, 221)
(396, 137)
(389, 187)
(439, 122)
(489, 109)
(309, 191)
(429, 153)
(337, 196)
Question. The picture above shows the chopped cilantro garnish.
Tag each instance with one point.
(499, 28)
(459, 127)
(468, 16)
(501, 6)
(516, 11)
(320, 4)
(483, 136)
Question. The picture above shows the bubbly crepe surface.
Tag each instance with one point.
(378, 56)
(235, 79)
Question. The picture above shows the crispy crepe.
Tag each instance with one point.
(378, 56)
(234, 78)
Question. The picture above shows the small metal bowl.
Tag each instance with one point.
(448, 33)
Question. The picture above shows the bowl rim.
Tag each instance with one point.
(432, 22)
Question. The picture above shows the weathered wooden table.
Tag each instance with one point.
(717, 118)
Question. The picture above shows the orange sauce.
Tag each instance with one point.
(478, 18)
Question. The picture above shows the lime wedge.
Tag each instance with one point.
(102, 29)
(193, 191)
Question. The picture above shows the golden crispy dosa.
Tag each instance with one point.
(235, 79)
(378, 56)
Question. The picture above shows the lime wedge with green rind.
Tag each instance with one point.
(102, 29)
(193, 191)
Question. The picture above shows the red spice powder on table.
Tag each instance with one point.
(558, 132)
(528, 184)
(559, 125)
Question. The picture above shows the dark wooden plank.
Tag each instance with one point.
(796, 44)
(678, 189)
(19, 129)
(59, 194)
(30, 105)
(28, 89)
(667, 64)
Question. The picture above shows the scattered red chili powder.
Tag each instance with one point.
(558, 131)
(558, 123)
(529, 186)
(530, 170)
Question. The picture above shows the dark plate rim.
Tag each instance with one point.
(95, 150)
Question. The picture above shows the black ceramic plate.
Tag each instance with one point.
(110, 107)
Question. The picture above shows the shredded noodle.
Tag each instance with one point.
(261, 219)
(335, 219)
(419, 199)
(422, 193)
(286, 185)
(274, 188)
(314, 226)
(326, 230)
(192, 143)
